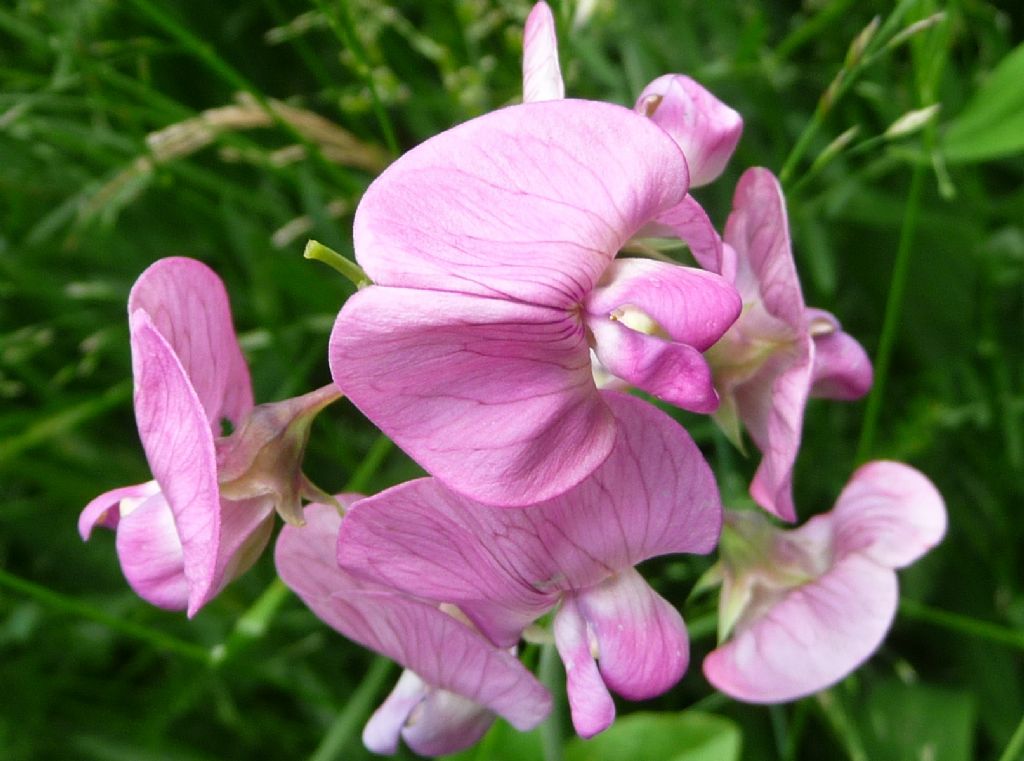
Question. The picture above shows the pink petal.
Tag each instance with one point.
(245, 529)
(688, 221)
(446, 723)
(772, 407)
(444, 652)
(494, 397)
(528, 203)
(842, 369)
(654, 495)
(105, 510)
(542, 76)
(428, 541)
(692, 306)
(151, 555)
(382, 731)
(590, 703)
(890, 513)
(642, 645)
(758, 231)
(811, 638)
(706, 129)
(179, 447)
(674, 372)
(188, 306)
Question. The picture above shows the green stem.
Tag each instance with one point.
(339, 735)
(153, 637)
(839, 86)
(253, 624)
(205, 53)
(811, 29)
(375, 457)
(551, 676)
(352, 271)
(842, 725)
(962, 624)
(64, 421)
(1015, 748)
(893, 309)
(703, 627)
(343, 27)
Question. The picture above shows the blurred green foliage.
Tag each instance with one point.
(144, 128)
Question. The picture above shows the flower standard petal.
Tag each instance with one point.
(188, 306)
(178, 442)
(494, 396)
(706, 129)
(444, 652)
(528, 203)
(542, 76)
(812, 637)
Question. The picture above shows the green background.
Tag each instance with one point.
(915, 243)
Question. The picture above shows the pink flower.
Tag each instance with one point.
(803, 608)
(207, 515)
(542, 76)
(705, 128)
(493, 247)
(779, 351)
(503, 568)
(456, 679)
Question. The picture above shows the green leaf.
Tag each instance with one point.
(918, 721)
(688, 736)
(992, 123)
